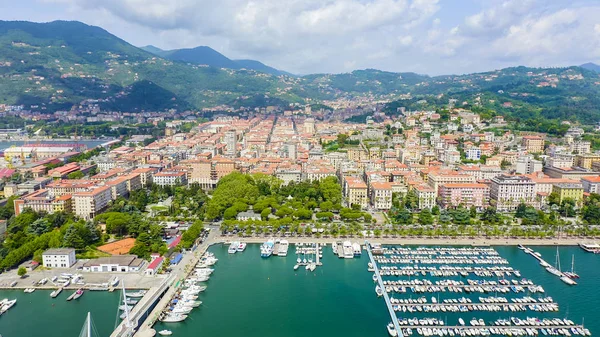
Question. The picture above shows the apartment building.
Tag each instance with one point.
(356, 192)
(89, 204)
(435, 179)
(533, 144)
(467, 195)
(426, 195)
(573, 191)
(591, 184)
(43, 201)
(170, 178)
(507, 192)
(381, 195)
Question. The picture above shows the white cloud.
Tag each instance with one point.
(305, 36)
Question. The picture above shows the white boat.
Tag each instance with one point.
(137, 294)
(283, 248)
(356, 249)
(590, 247)
(347, 249)
(233, 247)
(55, 292)
(266, 249)
(241, 247)
(392, 330)
(165, 332)
(123, 307)
(461, 321)
(43, 281)
(378, 291)
(29, 290)
(334, 248)
(114, 282)
(296, 266)
(173, 318)
(7, 305)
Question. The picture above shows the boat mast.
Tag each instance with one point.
(573, 264)
(89, 324)
(557, 259)
(127, 322)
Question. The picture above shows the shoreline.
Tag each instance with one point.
(420, 241)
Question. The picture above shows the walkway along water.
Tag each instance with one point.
(385, 294)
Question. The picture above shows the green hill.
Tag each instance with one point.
(53, 66)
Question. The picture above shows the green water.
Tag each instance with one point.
(256, 297)
(265, 298)
(39, 315)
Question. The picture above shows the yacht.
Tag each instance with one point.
(241, 247)
(379, 291)
(283, 248)
(590, 247)
(356, 249)
(392, 330)
(173, 318)
(334, 248)
(165, 332)
(7, 305)
(266, 250)
(233, 247)
(347, 249)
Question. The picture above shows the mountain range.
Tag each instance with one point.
(53, 66)
(204, 55)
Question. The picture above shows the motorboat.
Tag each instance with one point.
(29, 290)
(356, 249)
(241, 247)
(266, 249)
(233, 247)
(165, 332)
(137, 294)
(590, 247)
(7, 305)
(379, 291)
(173, 318)
(114, 282)
(392, 330)
(283, 248)
(348, 250)
(55, 292)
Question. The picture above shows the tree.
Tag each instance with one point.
(264, 214)
(230, 213)
(72, 238)
(411, 200)
(39, 227)
(75, 175)
(21, 271)
(425, 217)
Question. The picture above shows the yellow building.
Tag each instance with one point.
(572, 191)
(533, 144)
(355, 191)
(587, 160)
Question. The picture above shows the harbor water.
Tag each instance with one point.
(260, 297)
(265, 297)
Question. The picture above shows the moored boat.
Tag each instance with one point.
(55, 292)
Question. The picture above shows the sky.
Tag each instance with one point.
(431, 37)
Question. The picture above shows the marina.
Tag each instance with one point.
(339, 298)
(567, 277)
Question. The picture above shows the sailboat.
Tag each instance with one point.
(86, 330)
(556, 269)
(563, 277)
(572, 273)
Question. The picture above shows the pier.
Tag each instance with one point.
(388, 303)
(554, 271)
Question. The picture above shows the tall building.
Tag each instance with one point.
(528, 165)
(292, 151)
(508, 192)
(230, 142)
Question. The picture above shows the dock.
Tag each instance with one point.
(388, 303)
(554, 271)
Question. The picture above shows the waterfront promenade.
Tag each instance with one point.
(478, 241)
(185, 267)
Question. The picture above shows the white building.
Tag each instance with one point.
(381, 195)
(170, 178)
(528, 165)
(59, 258)
(510, 191)
(230, 142)
(121, 263)
(473, 153)
(89, 204)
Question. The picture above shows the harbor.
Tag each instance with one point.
(339, 297)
